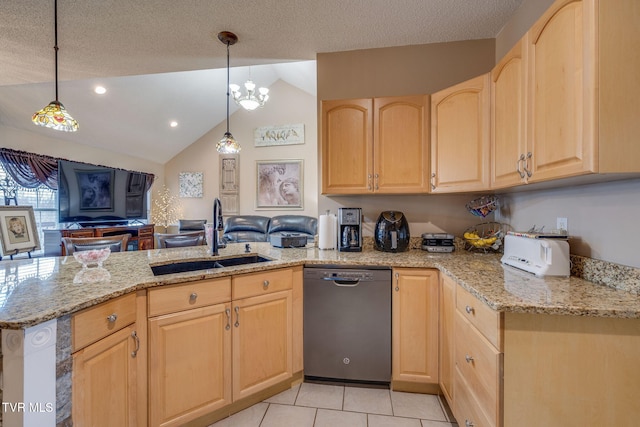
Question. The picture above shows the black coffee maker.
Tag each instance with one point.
(350, 229)
(392, 232)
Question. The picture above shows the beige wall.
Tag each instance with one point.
(287, 105)
(404, 71)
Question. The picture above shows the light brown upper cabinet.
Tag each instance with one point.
(508, 119)
(460, 137)
(584, 92)
(375, 145)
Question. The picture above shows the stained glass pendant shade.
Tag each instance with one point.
(228, 144)
(54, 115)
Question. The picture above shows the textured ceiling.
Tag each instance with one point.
(142, 47)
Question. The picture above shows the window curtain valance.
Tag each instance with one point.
(31, 170)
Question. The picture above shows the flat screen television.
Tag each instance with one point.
(92, 195)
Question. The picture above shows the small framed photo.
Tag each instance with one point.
(96, 189)
(279, 184)
(18, 230)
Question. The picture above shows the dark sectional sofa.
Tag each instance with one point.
(257, 228)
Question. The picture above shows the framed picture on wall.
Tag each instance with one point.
(279, 184)
(96, 189)
(18, 230)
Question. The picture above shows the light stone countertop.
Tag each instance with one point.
(39, 289)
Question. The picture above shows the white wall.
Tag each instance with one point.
(33, 142)
(602, 218)
(287, 105)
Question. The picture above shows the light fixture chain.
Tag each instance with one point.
(55, 40)
(228, 65)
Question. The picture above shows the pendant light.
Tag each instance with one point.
(228, 144)
(54, 115)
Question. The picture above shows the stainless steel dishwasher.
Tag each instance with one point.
(347, 324)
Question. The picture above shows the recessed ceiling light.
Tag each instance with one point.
(173, 124)
(100, 90)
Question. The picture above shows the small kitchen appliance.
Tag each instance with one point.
(541, 256)
(438, 242)
(350, 229)
(392, 232)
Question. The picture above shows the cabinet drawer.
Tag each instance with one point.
(263, 282)
(170, 299)
(467, 410)
(481, 316)
(95, 323)
(478, 361)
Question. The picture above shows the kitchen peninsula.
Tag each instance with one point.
(542, 322)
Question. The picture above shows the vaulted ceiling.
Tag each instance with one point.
(160, 60)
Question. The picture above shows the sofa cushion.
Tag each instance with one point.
(246, 228)
(293, 224)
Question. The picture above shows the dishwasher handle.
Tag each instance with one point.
(341, 281)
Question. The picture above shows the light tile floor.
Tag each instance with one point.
(320, 405)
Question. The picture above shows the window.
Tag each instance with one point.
(45, 206)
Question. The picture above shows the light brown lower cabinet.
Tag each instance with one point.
(108, 358)
(446, 326)
(262, 342)
(415, 329)
(190, 364)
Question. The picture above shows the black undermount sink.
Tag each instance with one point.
(181, 267)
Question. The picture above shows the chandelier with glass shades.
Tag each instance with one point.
(251, 100)
(54, 115)
(228, 144)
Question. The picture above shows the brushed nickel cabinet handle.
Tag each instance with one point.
(134, 353)
(469, 309)
(237, 310)
(112, 318)
(265, 285)
(521, 159)
(397, 281)
(433, 180)
(369, 182)
(526, 164)
(377, 176)
(193, 296)
(468, 358)
(228, 313)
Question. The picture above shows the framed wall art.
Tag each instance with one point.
(279, 184)
(190, 184)
(96, 189)
(18, 230)
(279, 135)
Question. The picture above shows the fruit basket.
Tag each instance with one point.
(483, 206)
(485, 237)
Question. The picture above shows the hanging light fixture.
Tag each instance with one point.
(250, 101)
(54, 115)
(228, 144)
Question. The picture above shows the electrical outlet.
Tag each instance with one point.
(562, 224)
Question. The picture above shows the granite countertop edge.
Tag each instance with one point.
(28, 299)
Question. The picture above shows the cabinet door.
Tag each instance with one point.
(460, 137)
(104, 381)
(347, 155)
(189, 364)
(508, 131)
(561, 91)
(400, 148)
(415, 326)
(447, 338)
(262, 342)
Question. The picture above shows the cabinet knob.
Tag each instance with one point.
(469, 309)
(265, 284)
(112, 318)
(468, 358)
(193, 296)
(468, 423)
